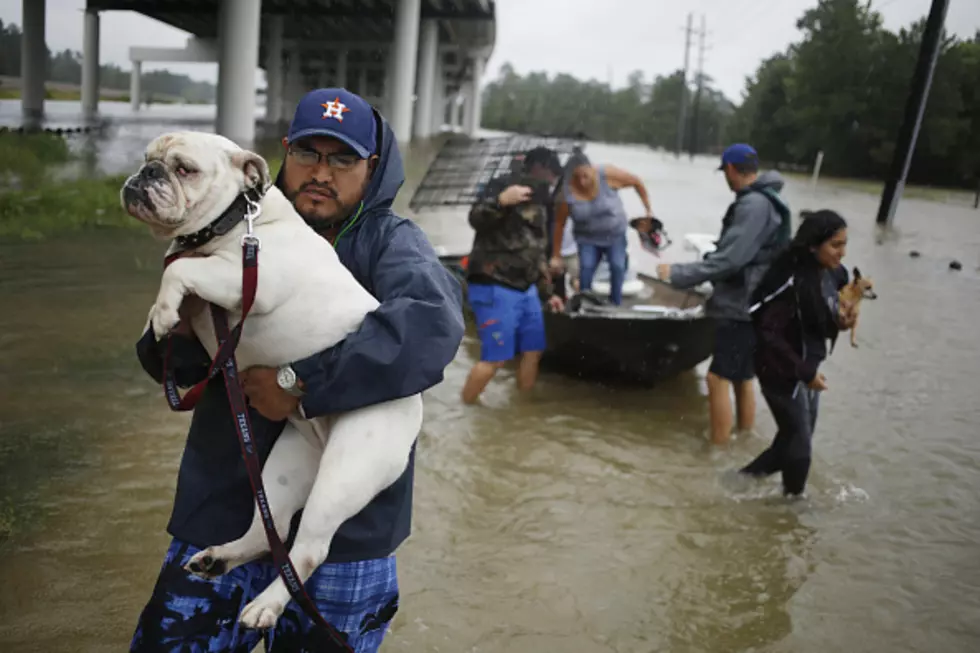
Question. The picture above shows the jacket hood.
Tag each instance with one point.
(769, 179)
(388, 177)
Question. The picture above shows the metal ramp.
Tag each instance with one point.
(464, 166)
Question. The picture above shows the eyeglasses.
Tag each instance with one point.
(336, 160)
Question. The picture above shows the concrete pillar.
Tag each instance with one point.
(428, 56)
(275, 72)
(238, 58)
(33, 60)
(438, 99)
(341, 81)
(388, 83)
(295, 84)
(405, 48)
(362, 82)
(90, 64)
(474, 107)
(455, 112)
(134, 85)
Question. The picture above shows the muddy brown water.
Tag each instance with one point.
(580, 518)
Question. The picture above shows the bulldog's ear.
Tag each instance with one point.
(254, 167)
(857, 273)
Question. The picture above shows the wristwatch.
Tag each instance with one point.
(287, 379)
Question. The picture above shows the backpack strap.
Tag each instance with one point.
(771, 296)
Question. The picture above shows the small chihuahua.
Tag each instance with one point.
(859, 288)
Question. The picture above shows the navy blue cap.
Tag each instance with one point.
(336, 113)
(737, 154)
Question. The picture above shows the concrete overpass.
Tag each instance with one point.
(416, 60)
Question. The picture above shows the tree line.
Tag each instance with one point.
(841, 89)
(66, 67)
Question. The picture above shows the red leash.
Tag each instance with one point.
(224, 361)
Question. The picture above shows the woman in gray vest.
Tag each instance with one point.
(590, 197)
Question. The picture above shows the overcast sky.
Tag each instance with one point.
(604, 40)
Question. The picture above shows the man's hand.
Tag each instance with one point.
(819, 383)
(265, 395)
(556, 265)
(663, 272)
(556, 304)
(513, 195)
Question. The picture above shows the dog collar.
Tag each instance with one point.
(224, 223)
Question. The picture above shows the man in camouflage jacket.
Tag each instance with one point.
(507, 276)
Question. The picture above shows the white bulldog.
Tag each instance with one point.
(306, 302)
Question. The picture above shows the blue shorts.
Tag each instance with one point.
(189, 614)
(509, 321)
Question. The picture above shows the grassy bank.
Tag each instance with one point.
(39, 209)
(24, 158)
(875, 187)
(59, 208)
(64, 95)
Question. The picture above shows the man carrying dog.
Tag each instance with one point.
(756, 225)
(508, 279)
(342, 170)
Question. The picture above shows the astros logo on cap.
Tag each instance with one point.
(335, 110)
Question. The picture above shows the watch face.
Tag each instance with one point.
(286, 378)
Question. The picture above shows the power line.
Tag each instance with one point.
(682, 114)
(693, 140)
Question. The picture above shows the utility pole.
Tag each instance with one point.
(682, 117)
(692, 147)
(914, 108)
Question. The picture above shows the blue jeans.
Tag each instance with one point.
(615, 254)
(187, 614)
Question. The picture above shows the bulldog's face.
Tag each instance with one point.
(188, 180)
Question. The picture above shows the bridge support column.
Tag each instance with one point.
(134, 86)
(238, 58)
(455, 112)
(90, 65)
(33, 60)
(362, 81)
(295, 85)
(425, 95)
(341, 81)
(275, 72)
(474, 105)
(438, 100)
(405, 51)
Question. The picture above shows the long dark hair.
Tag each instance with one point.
(798, 260)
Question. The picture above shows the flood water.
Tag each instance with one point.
(579, 519)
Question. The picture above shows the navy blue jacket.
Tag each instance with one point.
(400, 349)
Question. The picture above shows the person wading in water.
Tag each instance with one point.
(795, 312)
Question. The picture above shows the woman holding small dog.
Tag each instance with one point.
(796, 311)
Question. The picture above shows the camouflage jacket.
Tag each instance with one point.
(509, 246)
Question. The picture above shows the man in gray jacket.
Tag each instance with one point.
(756, 225)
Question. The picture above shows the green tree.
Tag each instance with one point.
(66, 67)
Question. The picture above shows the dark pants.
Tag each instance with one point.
(733, 357)
(796, 417)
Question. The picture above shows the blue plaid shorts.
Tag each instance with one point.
(187, 614)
